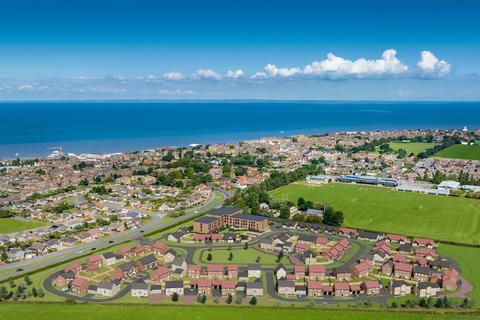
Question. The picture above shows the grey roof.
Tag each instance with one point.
(108, 255)
(222, 211)
(139, 285)
(255, 285)
(206, 219)
(127, 266)
(173, 284)
(307, 238)
(105, 285)
(424, 285)
(406, 247)
(421, 270)
(154, 287)
(147, 259)
(315, 212)
(254, 267)
(286, 284)
(252, 217)
(343, 269)
(399, 283)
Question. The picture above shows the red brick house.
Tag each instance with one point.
(342, 289)
(194, 270)
(160, 275)
(403, 270)
(215, 271)
(316, 272)
(299, 272)
(95, 260)
(232, 271)
(79, 286)
(314, 289)
(159, 248)
(363, 269)
(371, 287)
(75, 267)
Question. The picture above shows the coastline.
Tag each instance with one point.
(110, 126)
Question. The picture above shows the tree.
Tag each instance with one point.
(209, 257)
(27, 280)
(465, 303)
(34, 292)
(40, 293)
(230, 256)
(301, 203)
(332, 217)
(203, 299)
(253, 301)
(83, 183)
(245, 246)
(175, 297)
(394, 304)
(229, 299)
(284, 212)
(280, 256)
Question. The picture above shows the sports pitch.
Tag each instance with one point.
(382, 209)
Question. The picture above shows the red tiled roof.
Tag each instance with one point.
(371, 284)
(316, 268)
(215, 268)
(314, 285)
(424, 242)
(321, 240)
(405, 267)
(194, 267)
(299, 269)
(342, 286)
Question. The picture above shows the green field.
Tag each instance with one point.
(240, 256)
(11, 311)
(382, 209)
(468, 258)
(411, 147)
(10, 225)
(460, 151)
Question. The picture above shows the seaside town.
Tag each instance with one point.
(204, 222)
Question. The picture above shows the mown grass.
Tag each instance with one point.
(386, 210)
(411, 147)
(469, 260)
(11, 225)
(460, 151)
(10, 311)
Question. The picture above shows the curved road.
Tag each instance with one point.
(70, 253)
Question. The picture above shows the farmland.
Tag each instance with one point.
(387, 210)
(459, 151)
(11, 225)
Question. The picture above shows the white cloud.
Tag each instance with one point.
(173, 75)
(430, 65)
(235, 74)
(178, 91)
(273, 71)
(206, 74)
(335, 66)
(259, 75)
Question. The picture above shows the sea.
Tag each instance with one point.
(30, 129)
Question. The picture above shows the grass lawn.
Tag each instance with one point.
(10, 311)
(387, 210)
(411, 147)
(240, 256)
(460, 151)
(468, 258)
(10, 225)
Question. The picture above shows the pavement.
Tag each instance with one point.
(40, 262)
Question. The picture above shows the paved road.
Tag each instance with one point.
(153, 225)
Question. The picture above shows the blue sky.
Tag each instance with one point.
(273, 50)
